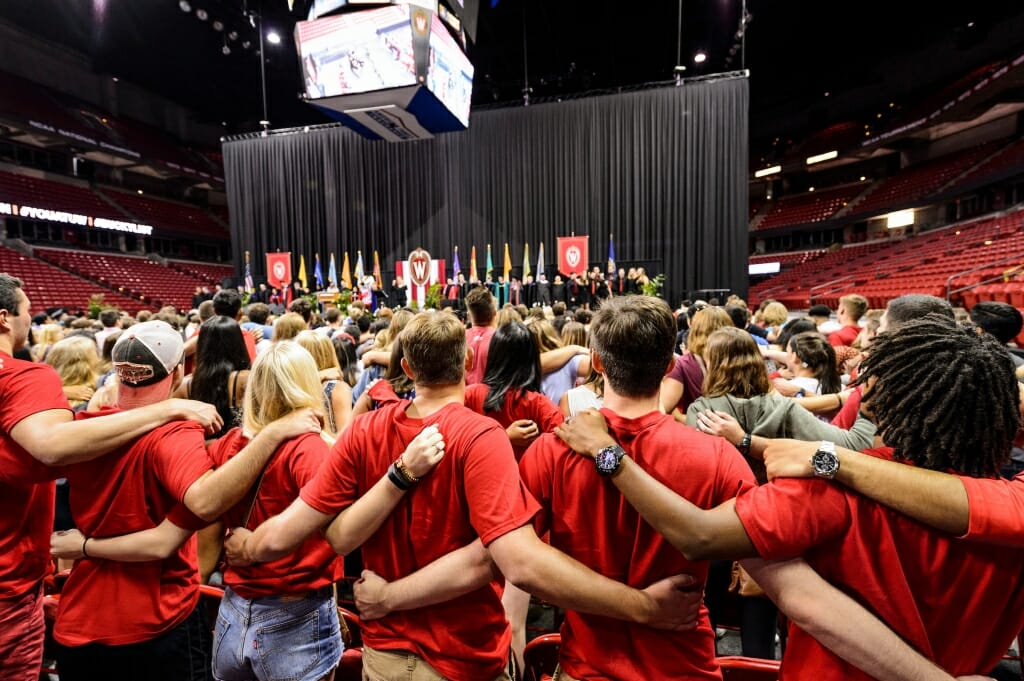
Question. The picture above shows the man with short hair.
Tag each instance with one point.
(158, 630)
(822, 316)
(851, 308)
(332, 322)
(111, 320)
(473, 494)
(480, 304)
(37, 431)
(1002, 320)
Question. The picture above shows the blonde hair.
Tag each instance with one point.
(399, 320)
(320, 347)
(544, 333)
(289, 326)
(574, 333)
(284, 378)
(704, 323)
(47, 335)
(774, 314)
(506, 315)
(75, 359)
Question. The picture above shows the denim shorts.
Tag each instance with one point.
(277, 638)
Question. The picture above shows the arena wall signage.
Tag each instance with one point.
(64, 217)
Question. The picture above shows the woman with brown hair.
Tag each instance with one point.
(736, 384)
(683, 384)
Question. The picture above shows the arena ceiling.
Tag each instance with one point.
(797, 51)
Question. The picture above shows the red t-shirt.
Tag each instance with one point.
(132, 489)
(518, 405)
(847, 416)
(957, 602)
(590, 520)
(26, 487)
(478, 339)
(474, 492)
(311, 566)
(844, 336)
(997, 510)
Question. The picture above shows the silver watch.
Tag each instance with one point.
(824, 461)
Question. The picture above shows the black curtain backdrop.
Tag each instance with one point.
(664, 170)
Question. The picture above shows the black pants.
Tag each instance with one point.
(181, 654)
(758, 626)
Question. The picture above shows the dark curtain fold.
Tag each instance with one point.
(664, 170)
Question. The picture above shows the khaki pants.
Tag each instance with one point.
(386, 665)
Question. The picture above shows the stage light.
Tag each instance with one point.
(273, 38)
(233, 35)
(218, 25)
(810, 189)
(700, 58)
(225, 50)
(768, 171)
(862, 178)
(139, 191)
(246, 44)
(202, 15)
(185, 6)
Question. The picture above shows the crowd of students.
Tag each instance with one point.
(613, 461)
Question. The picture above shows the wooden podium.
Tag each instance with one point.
(326, 300)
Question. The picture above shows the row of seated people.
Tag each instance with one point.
(432, 492)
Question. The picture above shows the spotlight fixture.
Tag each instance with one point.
(225, 50)
(185, 6)
(218, 25)
(246, 44)
(233, 35)
(700, 58)
(273, 37)
(202, 14)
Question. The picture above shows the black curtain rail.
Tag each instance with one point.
(663, 169)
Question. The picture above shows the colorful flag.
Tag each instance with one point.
(332, 272)
(318, 274)
(359, 268)
(507, 268)
(472, 264)
(611, 254)
(302, 271)
(248, 275)
(490, 263)
(456, 268)
(526, 261)
(540, 260)
(346, 278)
(376, 270)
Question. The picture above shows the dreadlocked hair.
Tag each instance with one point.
(944, 397)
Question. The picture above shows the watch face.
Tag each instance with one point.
(825, 463)
(607, 460)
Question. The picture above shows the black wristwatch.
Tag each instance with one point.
(824, 461)
(607, 460)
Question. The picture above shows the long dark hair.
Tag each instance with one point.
(345, 349)
(813, 349)
(513, 363)
(220, 350)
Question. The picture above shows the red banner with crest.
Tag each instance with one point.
(572, 254)
(279, 269)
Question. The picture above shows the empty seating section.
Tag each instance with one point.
(153, 144)
(36, 105)
(38, 193)
(207, 272)
(921, 180)
(137, 276)
(177, 217)
(813, 206)
(921, 264)
(49, 287)
(1006, 161)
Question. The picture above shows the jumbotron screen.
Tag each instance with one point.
(450, 76)
(356, 52)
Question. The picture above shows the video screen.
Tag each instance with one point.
(450, 75)
(355, 53)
